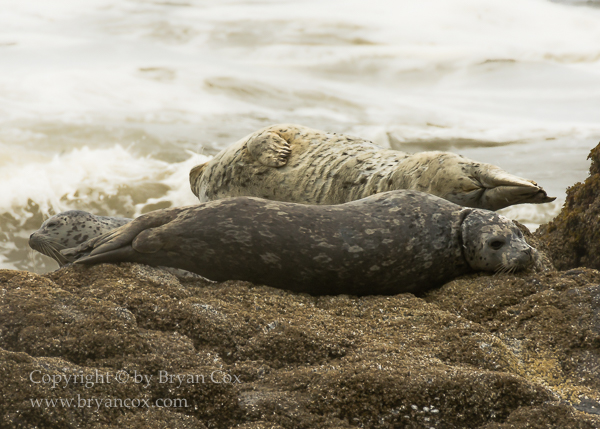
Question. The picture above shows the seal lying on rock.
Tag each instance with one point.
(297, 164)
(394, 242)
(69, 229)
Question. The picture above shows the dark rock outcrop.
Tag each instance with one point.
(573, 237)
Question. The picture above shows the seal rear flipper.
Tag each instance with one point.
(504, 196)
(269, 149)
(123, 254)
(503, 189)
(125, 235)
(491, 176)
(72, 254)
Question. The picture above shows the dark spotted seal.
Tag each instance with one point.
(297, 164)
(69, 229)
(399, 241)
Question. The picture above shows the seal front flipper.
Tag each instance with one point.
(269, 149)
(118, 250)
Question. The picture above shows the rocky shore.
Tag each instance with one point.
(573, 237)
(115, 346)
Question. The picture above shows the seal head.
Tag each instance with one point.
(493, 242)
(69, 229)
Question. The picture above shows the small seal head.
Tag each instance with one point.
(493, 242)
(69, 229)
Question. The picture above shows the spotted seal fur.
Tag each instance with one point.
(394, 242)
(297, 164)
(69, 229)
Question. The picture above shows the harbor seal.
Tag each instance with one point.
(69, 229)
(394, 242)
(297, 164)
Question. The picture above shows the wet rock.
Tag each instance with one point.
(573, 237)
(482, 352)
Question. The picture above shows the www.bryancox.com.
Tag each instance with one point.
(79, 402)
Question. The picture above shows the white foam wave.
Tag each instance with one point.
(84, 177)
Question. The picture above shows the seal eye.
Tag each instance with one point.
(51, 224)
(496, 244)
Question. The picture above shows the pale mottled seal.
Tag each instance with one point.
(399, 241)
(69, 229)
(297, 164)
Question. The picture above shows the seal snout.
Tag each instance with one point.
(517, 256)
(35, 241)
(526, 256)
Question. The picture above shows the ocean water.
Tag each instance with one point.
(105, 105)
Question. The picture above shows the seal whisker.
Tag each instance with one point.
(31, 255)
(53, 253)
(499, 269)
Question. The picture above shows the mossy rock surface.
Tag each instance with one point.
(573, 237)
(480, 352)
